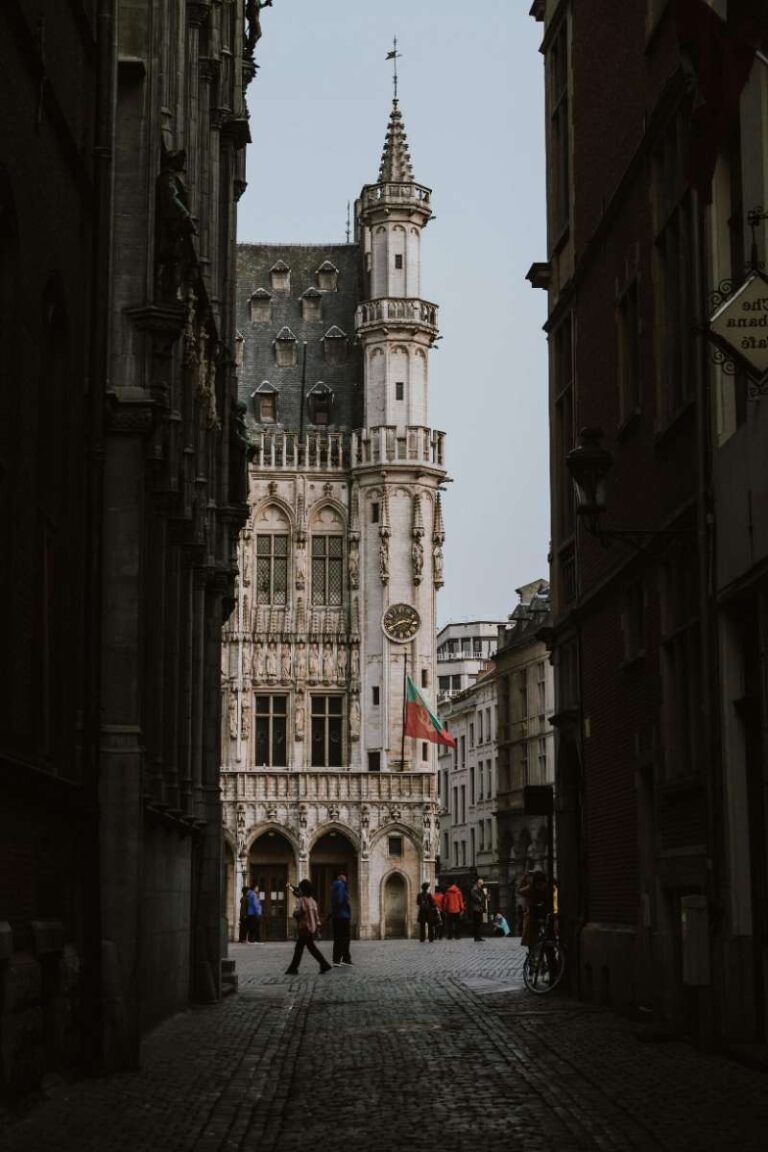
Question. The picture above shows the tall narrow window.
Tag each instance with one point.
(326, 731)
(375, 695)
(398, 260)
(374, 513)
(270, 731)
(560, 145)
(327, 558)
(628, 332)
(399, 390)
(374, 761)
(271, 569)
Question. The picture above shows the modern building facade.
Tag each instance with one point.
(654, 164)
(340, 561)
(122, 476)
(463, 651)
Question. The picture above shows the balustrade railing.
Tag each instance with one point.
(338, 451)
(400, 192)
(325, 784)
(405, 309)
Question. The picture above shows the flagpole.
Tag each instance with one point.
(405, 693)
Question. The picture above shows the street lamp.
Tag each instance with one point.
(589, 464)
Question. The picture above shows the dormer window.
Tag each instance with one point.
(280, 275)
(327, 276)
(285, 348)
(265, 403)
(261, 306)
(312, 304)
(335, 345)
(320, 402)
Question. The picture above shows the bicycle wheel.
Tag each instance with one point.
(544, 967)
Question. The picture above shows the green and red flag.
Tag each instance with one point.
(421, 721)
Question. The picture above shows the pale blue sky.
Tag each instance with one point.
(471, 94)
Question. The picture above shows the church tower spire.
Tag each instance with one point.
(398, 465)
(395, 159)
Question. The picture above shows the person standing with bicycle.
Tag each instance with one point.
(534, 890)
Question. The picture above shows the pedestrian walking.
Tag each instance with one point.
(341, 912)
(253, 916)
(242, 935)
(439, 898)
(426, 914)
(307, 923)
(478, 902)
(454, 907)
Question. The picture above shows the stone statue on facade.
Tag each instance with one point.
(301, 661)
(417, 558)
(257, 664)
(232, 714)
(246, 573)
(245, 717)
(301, 568)
(314, 663)
(365, 821)
(437, 564)
(354, 565)
(329, 668)
(253, 31)
(271, 662)
(354, 719)
(285, 664)
(355, 663)
(174, 228)
(384, 559)
(298, 726)
(341, 663)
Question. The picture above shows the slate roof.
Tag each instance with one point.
(254, 264)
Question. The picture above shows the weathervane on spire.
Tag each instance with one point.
(394, 56)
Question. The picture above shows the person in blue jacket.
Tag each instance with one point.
(253, 916)
(342, 918)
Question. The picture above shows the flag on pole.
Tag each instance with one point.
(421, 721)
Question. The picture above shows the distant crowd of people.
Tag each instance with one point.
(440, 914)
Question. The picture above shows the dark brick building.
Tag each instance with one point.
(638, 236)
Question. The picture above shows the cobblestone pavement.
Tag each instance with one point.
(414, 1047)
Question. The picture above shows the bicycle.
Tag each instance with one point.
(544, 966)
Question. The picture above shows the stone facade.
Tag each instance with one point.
(124, 488)
(343, 539)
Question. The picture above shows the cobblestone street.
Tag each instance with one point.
(414, 1047)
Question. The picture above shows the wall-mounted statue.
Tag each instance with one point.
(175, 226)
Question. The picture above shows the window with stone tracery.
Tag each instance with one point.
(327, 571)
(271, 569)
(271, 731)
(327, 716)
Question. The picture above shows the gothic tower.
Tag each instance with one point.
(339, 563)
(398, 465)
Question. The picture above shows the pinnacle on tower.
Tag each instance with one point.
(395, 160)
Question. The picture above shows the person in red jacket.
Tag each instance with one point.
(439, 898)
(453, 906)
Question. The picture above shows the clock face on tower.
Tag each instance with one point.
(400, 623)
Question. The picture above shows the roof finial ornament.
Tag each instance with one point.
(394, 56)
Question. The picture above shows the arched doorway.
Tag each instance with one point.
(395, 906)
(269, 859)
(329, 854)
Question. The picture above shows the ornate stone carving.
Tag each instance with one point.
(314, 663)
(285, 664)
(355, 663)
(245, 717)
(175, 226)
(329, 667)
(437, 566)
(384, 559)
(301, 661)
(417, 559)
(257, 663)
(271, 662)
(241, 829)
(298, 726)
(232, 714)
(341, 663)
(301, 567)
(354, 563)
(354, 719)
(333, 811)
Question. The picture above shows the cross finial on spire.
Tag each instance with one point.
(394, 56)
